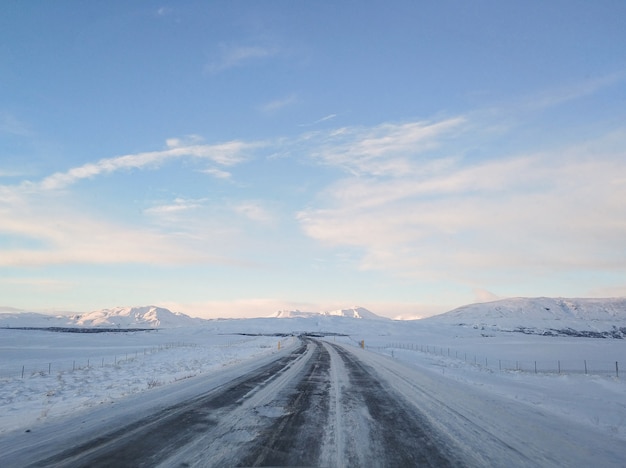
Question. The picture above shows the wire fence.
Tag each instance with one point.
(554, 366)
(42, 367)
(69, 365)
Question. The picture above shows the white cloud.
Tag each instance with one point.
(179, 205)
(385, 150)
(217, 173)
(225, 154)
(188, 140)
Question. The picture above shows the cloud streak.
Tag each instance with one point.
(236, 55)
(278, 104)
(384, 150)
(225, 154)
(51, 227)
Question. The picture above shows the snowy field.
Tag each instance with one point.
(66, 373)
(70, 372)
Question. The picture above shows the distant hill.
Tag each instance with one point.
(118, 317)
(543, 315)
(354, 312)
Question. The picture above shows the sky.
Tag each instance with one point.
(231, 158)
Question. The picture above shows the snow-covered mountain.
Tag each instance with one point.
(580, 317)
(134, 317)
(118, 317)
(354, 312)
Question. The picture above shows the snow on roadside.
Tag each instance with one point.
(597, 401)
(39, 395)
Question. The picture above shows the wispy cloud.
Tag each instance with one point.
(11, 125)
(179, 205)
(278, 104)
(318, 121)
(54, 227)
(225, 154)
(457, 219)
(217, 173)
(62, 234)
(254, 211)
(163, 11)
(236, 55)
(407, 198)
(573, 91)
(387, 149)
(40, 284)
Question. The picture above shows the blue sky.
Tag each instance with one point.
(235, 158)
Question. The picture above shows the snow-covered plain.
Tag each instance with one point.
(67, 373)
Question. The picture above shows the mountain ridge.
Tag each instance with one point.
(543, 315)
(117, 317)
(355, 312)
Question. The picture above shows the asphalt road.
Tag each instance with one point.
(318, 406)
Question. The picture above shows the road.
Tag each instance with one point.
(325, 404)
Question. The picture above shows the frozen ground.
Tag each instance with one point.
(126, 366)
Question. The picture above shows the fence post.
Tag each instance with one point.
(535, 367)
(22, 371)
(585, 367)
(500, 364)
(49, 367)
(616, 369)
(559, 363)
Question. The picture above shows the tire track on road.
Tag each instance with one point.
(161, 437)
(295, 439)
(393, 433)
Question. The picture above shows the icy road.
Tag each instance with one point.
(320, 404)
